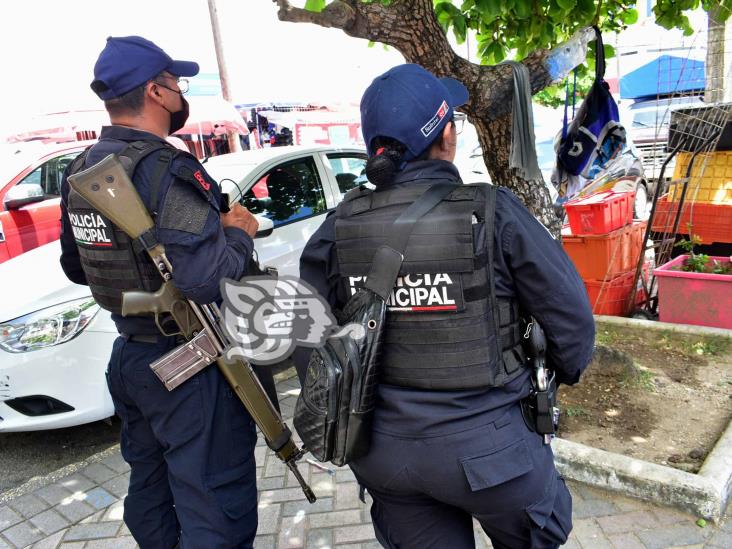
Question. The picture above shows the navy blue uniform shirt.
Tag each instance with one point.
(199, 261)
(529, 266)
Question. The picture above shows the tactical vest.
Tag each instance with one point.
(112, 262)
(445, 327)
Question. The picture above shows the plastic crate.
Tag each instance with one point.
(598, 257)
(710, 222)
(710, 180)
(610, 296)
(702, 299)
(600, 213)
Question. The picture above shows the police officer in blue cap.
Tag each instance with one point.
(449, 440)
(191, 450)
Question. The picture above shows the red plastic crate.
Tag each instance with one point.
(711, 222)
(702, 299)
(610, 297)
(597, 257)
(600, 213)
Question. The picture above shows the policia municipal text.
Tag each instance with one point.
(191, 450)
(449, 441)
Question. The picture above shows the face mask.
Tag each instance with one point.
(178, 118)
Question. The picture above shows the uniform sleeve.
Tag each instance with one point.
(318, 263)
(70, 262)
(319, 268)
(548, 287)
(201, 251)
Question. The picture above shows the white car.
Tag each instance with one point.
(55, 341)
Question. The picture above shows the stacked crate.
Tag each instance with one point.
(708, 201)
(605, 243)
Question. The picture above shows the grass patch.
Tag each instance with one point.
(605, 337)
(642, 379)
(575, 411)
(711, 346)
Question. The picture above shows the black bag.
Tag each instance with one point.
(596, 120)
(334, 410)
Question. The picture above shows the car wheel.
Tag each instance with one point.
(641, 208)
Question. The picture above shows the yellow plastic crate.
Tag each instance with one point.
(710, 180)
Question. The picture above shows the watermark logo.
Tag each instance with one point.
(266, 318)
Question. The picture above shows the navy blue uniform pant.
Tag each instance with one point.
(427, 490)
(191, 454)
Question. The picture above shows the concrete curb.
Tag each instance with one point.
(663, 326)
(696, 494)
(39, 482)
(704, 494)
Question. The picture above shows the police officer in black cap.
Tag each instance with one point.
(449, 441)
(191, 451)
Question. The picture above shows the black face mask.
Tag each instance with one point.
(178, 118)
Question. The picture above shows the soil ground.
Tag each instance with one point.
(659, 396)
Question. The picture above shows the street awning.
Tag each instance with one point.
(667, 74)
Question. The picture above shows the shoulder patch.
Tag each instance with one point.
(184, 209)
(195, 175)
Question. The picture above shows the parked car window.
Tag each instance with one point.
(48, 175)
(347, 170)
(287, 193)
(33, 178)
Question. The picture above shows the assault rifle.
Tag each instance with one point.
(107, 187)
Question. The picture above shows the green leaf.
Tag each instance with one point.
(701, 523)
(315, 5)
(489, 9)
(522, 8)
(499, 53)
(460, 27)
(629, 16)
(584, 12)
(566, 5)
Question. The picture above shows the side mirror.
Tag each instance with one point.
(23, 194)
(266, 226)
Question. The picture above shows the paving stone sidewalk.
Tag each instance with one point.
(84, 510)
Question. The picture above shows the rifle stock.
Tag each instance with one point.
(107, 187)
(167, 299)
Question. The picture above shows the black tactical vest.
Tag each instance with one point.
(111, 261)
(445, 327)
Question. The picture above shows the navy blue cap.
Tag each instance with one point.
(129, 61)
(410, 104)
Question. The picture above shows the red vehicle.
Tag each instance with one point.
(30, 184)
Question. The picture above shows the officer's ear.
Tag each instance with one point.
(152, 90)
(448, 139)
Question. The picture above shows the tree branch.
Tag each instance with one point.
(412, 28)
(336, 15)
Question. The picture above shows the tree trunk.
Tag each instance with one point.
(495, 138)
(412, 28)
(715, 61)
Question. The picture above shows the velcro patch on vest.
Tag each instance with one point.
(421, 293)
(92, 230)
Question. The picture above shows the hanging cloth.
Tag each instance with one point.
(523, 148)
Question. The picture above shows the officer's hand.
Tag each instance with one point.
(241, 218)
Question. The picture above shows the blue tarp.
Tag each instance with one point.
(666, 75)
